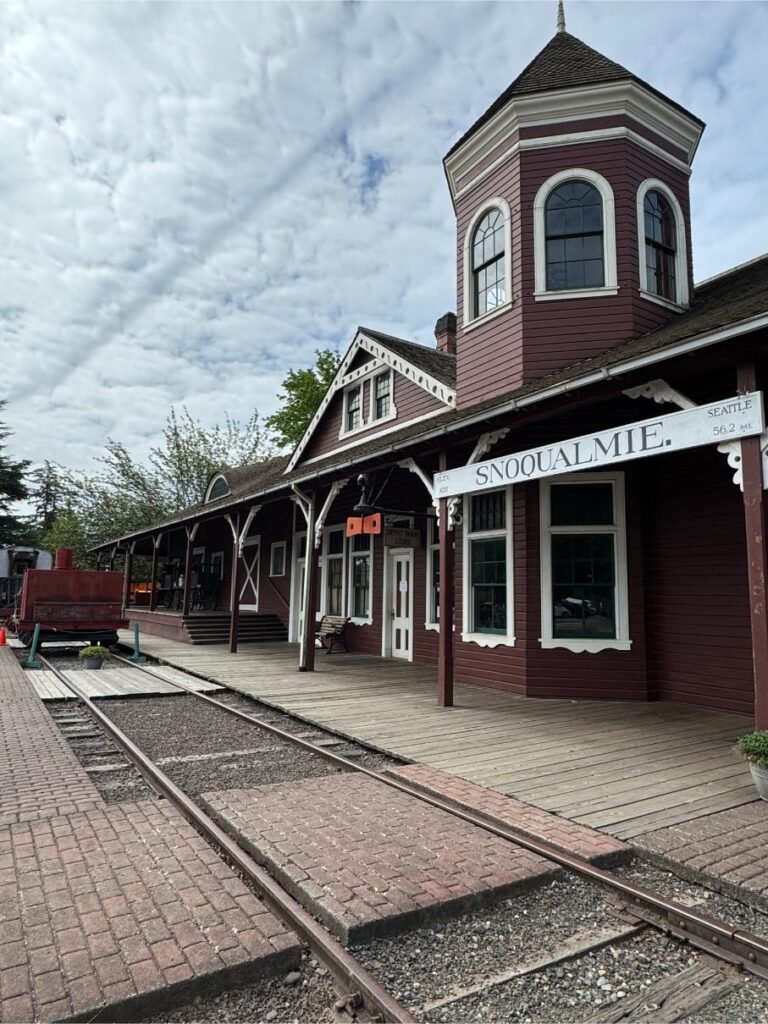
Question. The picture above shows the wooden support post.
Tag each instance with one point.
(128, 573)
(309, 597)
(186, 596)
(757, 564)
(234, 596)
(153, 578)
(445, 650)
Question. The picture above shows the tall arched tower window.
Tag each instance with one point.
(660, 245)
(488, 263)
(661, 234)
(574, 234)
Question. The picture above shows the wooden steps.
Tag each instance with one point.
(253, 627)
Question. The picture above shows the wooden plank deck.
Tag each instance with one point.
(622, 766)
(114, 682)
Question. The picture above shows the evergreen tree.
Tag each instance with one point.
(12, 489)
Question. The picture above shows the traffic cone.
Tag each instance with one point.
(3, 641)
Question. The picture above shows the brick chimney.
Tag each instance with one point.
(445, 334)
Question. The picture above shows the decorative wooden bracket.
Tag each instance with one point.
(659, 391)
(238, 536)
(336, 486)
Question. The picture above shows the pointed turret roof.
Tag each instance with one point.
(564, 63)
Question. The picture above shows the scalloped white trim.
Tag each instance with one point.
(488, 639)
(587, 646)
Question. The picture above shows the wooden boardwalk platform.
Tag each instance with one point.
(625, 767)
(113, 682)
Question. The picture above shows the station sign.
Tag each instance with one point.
(400, 537)
(726, 420)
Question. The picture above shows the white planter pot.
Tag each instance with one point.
(760, 779)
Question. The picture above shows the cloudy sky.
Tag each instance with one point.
(197, 196)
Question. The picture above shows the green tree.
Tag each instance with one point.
(126, 493)
(49, 494)
(13, 530)
(303, 391)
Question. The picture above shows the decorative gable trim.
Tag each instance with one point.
(344, 377)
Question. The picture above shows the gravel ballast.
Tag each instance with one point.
(181, 733)
(308, 999)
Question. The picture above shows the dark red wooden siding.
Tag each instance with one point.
(410, 401)
(533, 338)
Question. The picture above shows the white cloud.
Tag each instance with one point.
(198, 196)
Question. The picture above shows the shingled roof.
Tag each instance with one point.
(565, 63)
(440, 365)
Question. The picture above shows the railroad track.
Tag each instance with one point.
(643, 906)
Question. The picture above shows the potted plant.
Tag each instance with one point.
(93, 656)
(754, 748)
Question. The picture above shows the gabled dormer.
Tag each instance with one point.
(383, 384)
(572, 206)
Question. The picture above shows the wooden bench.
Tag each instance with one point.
(331, 632)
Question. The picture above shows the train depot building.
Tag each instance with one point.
(570, 484)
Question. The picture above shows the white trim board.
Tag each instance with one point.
(344, 377)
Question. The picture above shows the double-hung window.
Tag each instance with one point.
(488, 608)
(382, 395)
(277, 559)
(334, 572)
(360, 577)
(584, 563)
(352, 408)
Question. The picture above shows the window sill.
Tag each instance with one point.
(276, 575)
(488, 639)
(592, 646)
(369, 424)
(361, 622)
(435, 627)
(481, 321)
(576, 293)
(660, 301)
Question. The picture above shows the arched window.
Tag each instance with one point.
(660, 245)
(574, 237)
(489, 288)
(217, 488)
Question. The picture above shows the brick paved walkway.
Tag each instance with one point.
(368, 860)
(726, 851)
(538, 824)
(122, 906)
(39, 774)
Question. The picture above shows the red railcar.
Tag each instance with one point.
(70, 604)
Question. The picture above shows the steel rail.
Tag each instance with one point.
(727, 942)
(339, 961)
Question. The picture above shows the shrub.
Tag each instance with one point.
(754, 747)
(94, 651)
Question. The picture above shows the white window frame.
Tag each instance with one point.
(362, 425)
(324, 559)
(359, 620)
(212, 484)
(470, 321)
(592, 645)
(681, 255)
(272, 548)
(433, 555)
(218, 556)
(610, 287)
(372, 391)
(468, 635)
